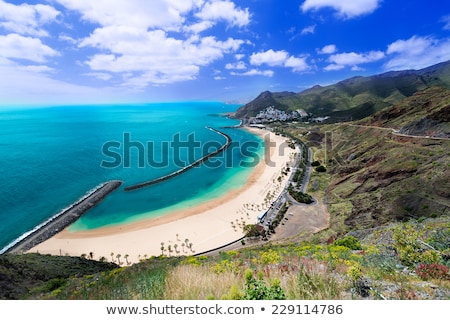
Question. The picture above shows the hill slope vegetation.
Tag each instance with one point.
(353, 98)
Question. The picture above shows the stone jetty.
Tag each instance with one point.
(184, 169)
(64, 218)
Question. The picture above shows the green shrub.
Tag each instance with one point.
(233, 294)
(321, 168)
(256, 289)
(315, 163)
(300, 196)
(350, 242)
(407, 243)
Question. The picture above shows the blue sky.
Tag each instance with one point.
(103, 51)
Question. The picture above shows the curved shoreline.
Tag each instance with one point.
(208, 225)
(63, 219)
(186, 168)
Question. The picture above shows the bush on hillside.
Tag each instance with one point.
(427, 271)
(256, 289)
(321, 168)
(410, 248)
(350, 242)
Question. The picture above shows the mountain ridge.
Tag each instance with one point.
(353, 98)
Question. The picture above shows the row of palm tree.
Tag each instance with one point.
(171, 248)
(118, 256)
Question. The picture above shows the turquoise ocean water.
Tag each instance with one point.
(51, 157)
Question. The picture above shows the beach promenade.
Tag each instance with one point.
(193, 229)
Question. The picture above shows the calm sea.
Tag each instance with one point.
(51, 157)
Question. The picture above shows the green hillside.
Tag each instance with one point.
(361, 265)
(353, 98)
(379, 174)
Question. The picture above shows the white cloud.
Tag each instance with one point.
(357, 68)
(297, 64)
(417, 52)
(309, 30)
(152, 42)
(328, 49)
(136, 13)
(152, 57)
(225, 10)
(353, 59)
(345, 8)
(279, 59)
(66, 38)
(14, 46)
(199, 27)
(36, 68)
(33, 85)
(269, 57)
(100, 75)
(26, 19)
(254, 72)
(240, 65)
(446, 21)
(334, 67)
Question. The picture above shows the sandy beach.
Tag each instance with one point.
(185, 232)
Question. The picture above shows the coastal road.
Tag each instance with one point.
(394, 131)
(307, 172)
(302, 219)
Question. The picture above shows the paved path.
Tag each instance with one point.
(395, 132)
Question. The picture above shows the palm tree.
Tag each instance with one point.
(91, 255)
(169, 247)
(175, 246)
(112, 256)
(126, 258)
(118, 257)
(183, 245)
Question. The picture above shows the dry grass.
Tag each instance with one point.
(190, 282)
(303, 279)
